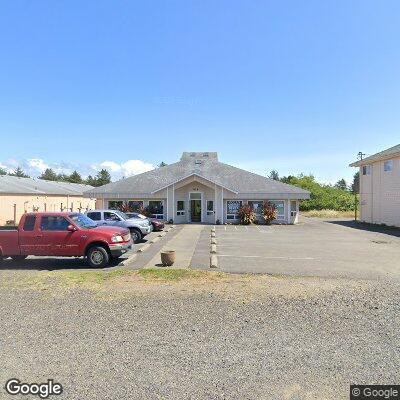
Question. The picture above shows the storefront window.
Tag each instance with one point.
(115, 205)
(257, 206)
(135, 205)
(232, 208)
(156, 208)
(210, 207)
(280, 208)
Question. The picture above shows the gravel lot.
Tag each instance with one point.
(239, 338)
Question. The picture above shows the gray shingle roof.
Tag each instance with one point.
(383, 155)
(16, 185)
(205, 165)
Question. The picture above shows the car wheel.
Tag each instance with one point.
(18, 258)
(97, 257)
(136, 235)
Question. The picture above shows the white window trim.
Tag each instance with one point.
(213, 210)
(181, 212)
(367, 170)
(235, 215)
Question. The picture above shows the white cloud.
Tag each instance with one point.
(36, 166)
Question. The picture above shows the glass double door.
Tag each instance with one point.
(195, 207)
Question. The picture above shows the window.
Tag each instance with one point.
(257, 207)
(29, 223)
(198, 162)
(94, 215)
(280, 208)
(293, 208)
(366, 170)
(232, 208)
(156, 208)
(210, 207)
(54, 223)
(195, 196)
(83, 221)
(109, 216)
(115, 205)
(388, 166)
(180, 207)
(135, 206)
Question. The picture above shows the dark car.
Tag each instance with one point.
(157, 224)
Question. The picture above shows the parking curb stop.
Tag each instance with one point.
(213, 261)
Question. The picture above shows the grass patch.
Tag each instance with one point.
(171, 274)
(90, 277)
(328, 214)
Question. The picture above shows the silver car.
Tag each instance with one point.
(139, 227)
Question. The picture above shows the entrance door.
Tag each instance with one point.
(195, 207)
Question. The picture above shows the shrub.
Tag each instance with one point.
(246, 214)
(269, 212)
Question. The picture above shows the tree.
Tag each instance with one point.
(162, 164)
(90, 181)
(3, 171)
(355, 186)
(20, 173)
(49, 175)
(274, 175)
(75, 177)
(102, 178)
(341, 184)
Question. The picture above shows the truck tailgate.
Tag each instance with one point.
(9, 243)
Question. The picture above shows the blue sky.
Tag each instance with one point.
(297, 86)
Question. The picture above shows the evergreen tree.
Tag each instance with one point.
(355, 186)
(3, 171)
(49, 175)
(75, 177)
(274, 175)
(20, 173)
(341, 184)
(102, 178)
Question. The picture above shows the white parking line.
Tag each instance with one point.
(246, 228)
(225, 227)
(272, 258)
(236, 227)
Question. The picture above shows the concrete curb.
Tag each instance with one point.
(213, 241)
(156, 239)
(162, 234)
(129, 260)
(213, 249)
(213, 234)
(143, 248)
(213, 261)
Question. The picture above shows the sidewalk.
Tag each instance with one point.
(184, 244)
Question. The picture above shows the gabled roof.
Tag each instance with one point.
(204, 165)
(16, 185)
(383, 155)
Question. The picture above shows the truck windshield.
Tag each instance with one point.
(83, 221)
(121, 214)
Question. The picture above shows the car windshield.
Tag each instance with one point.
(83, 221)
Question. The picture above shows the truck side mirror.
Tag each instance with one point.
(71, 228)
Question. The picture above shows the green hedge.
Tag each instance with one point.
(322, 196)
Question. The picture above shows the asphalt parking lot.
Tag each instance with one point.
(311, 248)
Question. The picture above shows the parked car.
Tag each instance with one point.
(64, 235)
(138, 227)
(157, 224)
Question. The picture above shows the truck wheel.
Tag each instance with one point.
(18, 258)
(97, 257)
(136, 235)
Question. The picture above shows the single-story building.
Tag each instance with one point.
(199, 188)
(20, 195)
(380, 187)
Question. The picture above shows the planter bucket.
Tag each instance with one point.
(168, 258)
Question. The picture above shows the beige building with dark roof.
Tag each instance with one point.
(380, 187)
(20, 195)
(199, 188)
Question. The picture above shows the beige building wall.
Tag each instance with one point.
(13, 206)
(380, 194)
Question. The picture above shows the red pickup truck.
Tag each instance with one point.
(64, 235)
